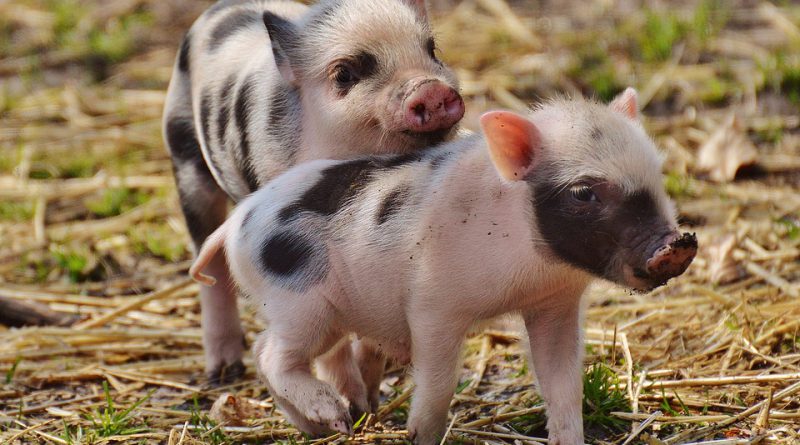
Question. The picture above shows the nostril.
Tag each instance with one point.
(419, 111)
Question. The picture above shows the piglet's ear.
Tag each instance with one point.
(283, 36)
(419, 6)
(514, 143)
(625, 103)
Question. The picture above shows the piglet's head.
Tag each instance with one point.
(369, 71)
(596, 188)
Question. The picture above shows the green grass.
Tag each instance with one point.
(792, 227)
(158, 240)
(662, 31)
(99, 45)
(13, 370)
(709, 19)
(601, 397)
(597, 72)
(678, 185)
(529, 423)
(463, 385)
(16, 211)
(114, 422)
(115, 201)
(208, 428)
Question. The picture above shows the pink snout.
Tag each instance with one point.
(432, 106)
(672, 258)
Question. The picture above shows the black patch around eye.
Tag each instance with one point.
(351, 71)
(232, 24)
(578, 234)
(583, 193)
(366, 64)
(430, 48)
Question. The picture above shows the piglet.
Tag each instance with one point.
(259, 86)
(407, 252)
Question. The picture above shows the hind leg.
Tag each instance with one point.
(204, 206)
(371, 362)
(339, 368)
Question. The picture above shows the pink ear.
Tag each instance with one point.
(419, 6)
(625, 103)
(514, 143)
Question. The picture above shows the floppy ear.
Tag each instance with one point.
(419, 6)
(625, 103)
(283, 36)
(514, 143)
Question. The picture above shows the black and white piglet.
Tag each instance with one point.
(409, 251)
(259, 86)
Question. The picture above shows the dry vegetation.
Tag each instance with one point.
(90, 227)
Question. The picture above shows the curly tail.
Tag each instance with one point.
(211, 246)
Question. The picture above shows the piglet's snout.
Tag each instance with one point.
(431, 105)
(672, 257)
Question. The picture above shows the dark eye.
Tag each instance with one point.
(583, 193)
(430, 46)
(344, 76)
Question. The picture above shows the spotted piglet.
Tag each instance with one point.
(259, 86)
(409, 251)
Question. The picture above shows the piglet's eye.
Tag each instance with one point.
(583, 193)
(344, 76)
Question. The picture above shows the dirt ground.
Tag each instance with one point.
(90, 228)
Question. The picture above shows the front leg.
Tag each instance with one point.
(436, 348)
(556, 341)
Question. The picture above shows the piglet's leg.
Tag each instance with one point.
(284, 353)
(339, 368)
(436, 348)
(556, 348)
(372, 363)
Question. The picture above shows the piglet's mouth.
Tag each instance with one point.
(668, 261)
(428, 137)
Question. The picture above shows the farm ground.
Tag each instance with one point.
(90, 227)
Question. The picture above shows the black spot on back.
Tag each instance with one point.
(338, 185)
(183, 54)
(343, 181)
(182, 140)
(284, 254)
(392, 203)
(596, 134)
(230, 25)
(241, 114)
